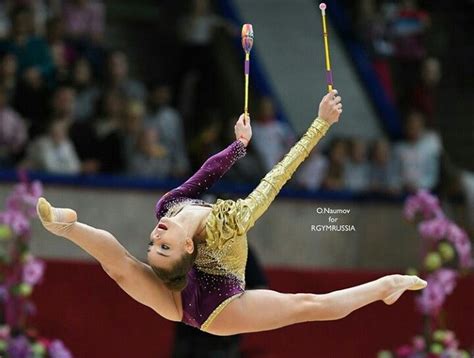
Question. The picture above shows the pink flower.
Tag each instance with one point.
(435, 229)
(446, 278)
(431, 298)
(33, 271)
(422, 203)
(404, 351)
(4, 332)
(57, 349)
(455, 233)
(16, 220)
(463, 249)
(419, 343)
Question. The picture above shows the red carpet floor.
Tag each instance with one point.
(78, 303)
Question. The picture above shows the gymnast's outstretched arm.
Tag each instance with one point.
(133, 276)
(212, 170)
(252, 207)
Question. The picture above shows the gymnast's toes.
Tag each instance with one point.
(44, 211)
(417, 283)
(49, 214)
(397, 284)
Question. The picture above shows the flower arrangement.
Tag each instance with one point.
(446, 254)
(20, 271)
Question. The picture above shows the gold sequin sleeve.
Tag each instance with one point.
(252, 207)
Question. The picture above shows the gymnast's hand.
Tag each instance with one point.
(243, 130)
(330, 107)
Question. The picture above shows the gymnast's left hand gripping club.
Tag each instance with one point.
(247, 43)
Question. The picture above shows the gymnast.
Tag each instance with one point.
(198, 251)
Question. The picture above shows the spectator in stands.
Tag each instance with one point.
(63, 103)
(373, 30)
(207, 141)
(168, 123)
(133, 124)
(273, 137)
(108, 131)
(197, 31)
(357, 168)
(118, 77)
(81, 133)
(84, 20)
(8, 80)
(87, 93)
(334, 179)
(418, 156)
(13, 132)
(32, 52)
(408, 31)
(31, 99)
(426, 91)
(198, 28)
(62, 52)
(384, 178)
(54, 152)
(150, 158)
(313, 171)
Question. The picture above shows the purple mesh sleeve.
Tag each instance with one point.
(210, 172)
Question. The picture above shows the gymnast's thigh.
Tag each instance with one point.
(259, 310)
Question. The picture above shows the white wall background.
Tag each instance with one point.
(289, 43)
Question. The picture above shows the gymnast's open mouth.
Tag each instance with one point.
(162, 226)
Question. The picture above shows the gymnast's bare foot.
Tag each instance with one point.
(55, 220)
(395, 285)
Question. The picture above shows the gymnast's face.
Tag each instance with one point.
(168, 242)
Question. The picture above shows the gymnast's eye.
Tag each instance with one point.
(165, 247)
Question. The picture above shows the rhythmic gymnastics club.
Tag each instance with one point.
(247, 43)
(329, 79)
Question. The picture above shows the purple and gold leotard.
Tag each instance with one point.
(218, 274)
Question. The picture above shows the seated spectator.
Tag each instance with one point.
(118, 78)
(384, 178)
(8, 81)
(87, 93)
(84, 19)
(357, 168)
(62, 53)
(63, 103)
(425, 94)
(108, 131)
(198, 28)
(313, 171)
(13, 133)
(408, 30)
(334, 179)
(418, 156)
(32, 52)
(31, 100)
(372, 28)
(168, 123)
(54, 151)
(272, 137)
(132, 124)
(150, 158)
(207, 142)
(197, 31)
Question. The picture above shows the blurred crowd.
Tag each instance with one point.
(69, 104)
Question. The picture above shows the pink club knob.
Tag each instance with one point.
(247, 37)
